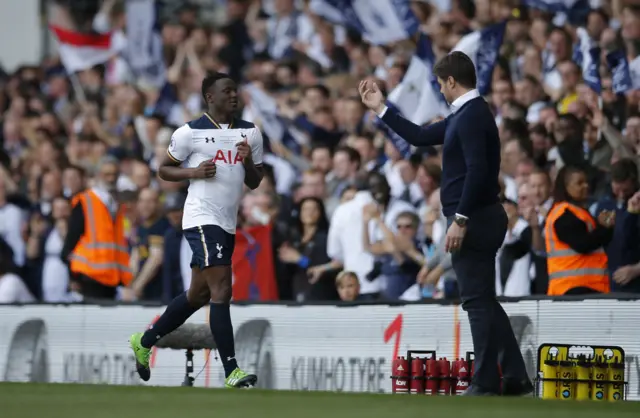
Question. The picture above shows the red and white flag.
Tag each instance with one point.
(79, 49)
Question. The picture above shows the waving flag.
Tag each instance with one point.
(483, 47)
(432, 103)
(380, 22)
(576, 11)
(80, 47)
(620, 74)
(417, 97)
(587, 56)
(265, 109)
(144, 41)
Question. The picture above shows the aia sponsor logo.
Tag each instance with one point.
(227, 157)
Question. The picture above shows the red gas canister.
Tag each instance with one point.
(455, 368)
(400, 375)
(444, 367)
(417, 376)
(463, 376)
(432, 375)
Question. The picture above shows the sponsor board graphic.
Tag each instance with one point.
(333, 348)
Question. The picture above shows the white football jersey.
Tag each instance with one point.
(214, 201)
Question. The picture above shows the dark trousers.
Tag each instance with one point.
(475, 267)
(92, 290)
(581, 291)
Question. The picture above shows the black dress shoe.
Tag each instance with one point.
(516, 387)
(477, 391)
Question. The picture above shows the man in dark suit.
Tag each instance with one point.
(477, 222)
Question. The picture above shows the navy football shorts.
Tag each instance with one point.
(211, 246)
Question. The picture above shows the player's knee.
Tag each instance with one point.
(198, 297)
(221, 292)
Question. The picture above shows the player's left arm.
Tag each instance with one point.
(253, 160)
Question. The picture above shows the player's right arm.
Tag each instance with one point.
(179, 150)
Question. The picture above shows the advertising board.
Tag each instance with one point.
(335, 348)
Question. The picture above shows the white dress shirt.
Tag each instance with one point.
(344, 242)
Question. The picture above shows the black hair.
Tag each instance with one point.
(623, 170)
(602, 13)
(210, 80)
(324, 91)
(560, 193)
(354, 156)
(458, 66)
(518, 127)
(323, 220)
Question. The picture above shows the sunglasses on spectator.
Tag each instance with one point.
(404, 226)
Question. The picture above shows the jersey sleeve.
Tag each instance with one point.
(181, 144)
(256, 146)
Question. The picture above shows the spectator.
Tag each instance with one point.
(623, 252)
(11, 221)
(398, 256)
(577, 263)
(12, 288)
(514, 257)
(346, 163)
(44, 248)
(73, 181)
(176, 269)
(97, 222)
(148, 249)
(307, 251)
(348, 286)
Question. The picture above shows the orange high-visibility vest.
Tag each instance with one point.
(102, 252)
(567, 268)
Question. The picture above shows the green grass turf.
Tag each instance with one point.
(25, 400)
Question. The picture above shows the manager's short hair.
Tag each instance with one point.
(458, 66)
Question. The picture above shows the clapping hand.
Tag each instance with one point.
(607, 218)
(371, 96)
(633, 205)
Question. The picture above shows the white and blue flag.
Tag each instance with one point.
(587, 56)
(264, 109)
(380, 22)
(620, 74)
(483, 47)
(144, 42)
(575, 11)
(418, 96)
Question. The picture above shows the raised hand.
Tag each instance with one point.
(371, 96)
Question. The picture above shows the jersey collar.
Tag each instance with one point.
(216, 124)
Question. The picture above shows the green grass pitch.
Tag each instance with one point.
(25, 400)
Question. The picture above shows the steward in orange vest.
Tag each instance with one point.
(101, 254)
(568, 268)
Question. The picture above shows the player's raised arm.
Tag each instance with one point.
(251, 153)
(178, 151)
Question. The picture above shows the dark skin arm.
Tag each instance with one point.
(253, 172)
(170, 170)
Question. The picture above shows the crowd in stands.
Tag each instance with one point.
(352, 217)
